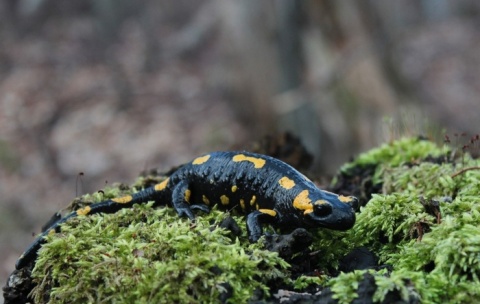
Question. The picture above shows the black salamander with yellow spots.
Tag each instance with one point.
(266, 189)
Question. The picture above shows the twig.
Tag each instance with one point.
(465, 170)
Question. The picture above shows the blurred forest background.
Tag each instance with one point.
(112, 87)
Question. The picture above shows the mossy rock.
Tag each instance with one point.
(149, 255)
(421, 222)
(424, 225)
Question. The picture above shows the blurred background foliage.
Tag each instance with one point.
(112, 87)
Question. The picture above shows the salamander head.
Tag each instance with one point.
(328, 210)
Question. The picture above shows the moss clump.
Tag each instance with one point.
(148, 255)
(425, 179)
(388, 221)
(389, 288)
(345, 286)
(409, 149)
(446, 262)
(303, 282)
(394, 154)
(434, 256)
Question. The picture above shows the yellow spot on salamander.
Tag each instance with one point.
(320, 202)
(242, 204)
(286, 183)
(188, 193)
(268, 211)
(257, 162)
(225, 200)
(345, 199)
(82, 211)
(201, 160)
(205, 200)
(252, 201)
(122, 200)
(161, 186)
(303, 202)
(234, 188)
(257, 206)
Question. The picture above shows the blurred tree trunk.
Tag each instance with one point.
(110, 15)
(250, 67)
(307, 73)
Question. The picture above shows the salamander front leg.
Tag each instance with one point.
(254, 223)
(201, 207)
(180, 200)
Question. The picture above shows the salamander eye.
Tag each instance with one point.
(322, 209)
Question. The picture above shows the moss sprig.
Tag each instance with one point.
(441, 266)
(396, 153)
(148, 255)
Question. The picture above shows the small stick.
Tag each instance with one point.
(465, 170)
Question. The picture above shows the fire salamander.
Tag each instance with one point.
(266, 189)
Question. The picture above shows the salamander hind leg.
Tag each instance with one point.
(180, 200)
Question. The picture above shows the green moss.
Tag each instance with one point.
(332, 245)
(394, 154)
(445, 265)
(142, 254)
(389, 220)
(302, 282)
(468, 182)
(426, 179)
(393, 283)
(345, 286)
(434, 261)
(452, 247)
(148, 255)
(410, 149)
